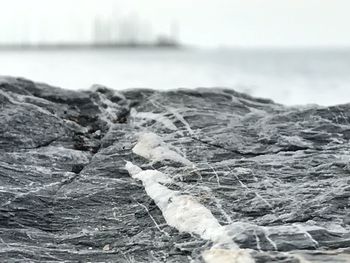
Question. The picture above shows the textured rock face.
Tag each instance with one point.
(179, 176)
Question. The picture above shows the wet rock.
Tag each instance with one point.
(275, 178)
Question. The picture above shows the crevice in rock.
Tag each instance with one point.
(77, 168)
(44, 144)
(90, 141)
(291, 148)
(82, 142)
(48, 143)
(124, 115)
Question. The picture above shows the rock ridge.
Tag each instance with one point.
(274, 179)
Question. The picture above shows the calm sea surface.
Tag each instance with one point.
(286, 76)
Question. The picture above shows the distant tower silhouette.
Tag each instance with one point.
(102, 31)
(174, 31)
(130, 30)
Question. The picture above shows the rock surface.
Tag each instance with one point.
(213, 176)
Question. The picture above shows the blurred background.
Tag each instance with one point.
(292, 51)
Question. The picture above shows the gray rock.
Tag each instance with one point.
(276, 179)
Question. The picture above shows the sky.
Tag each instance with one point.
(243, 23)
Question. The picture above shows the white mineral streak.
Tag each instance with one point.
(167, 123)
(186, 214)
(215, 255)
(152, 147)
(110, 110)
(179, 117)
(180, 211)
(183, 212)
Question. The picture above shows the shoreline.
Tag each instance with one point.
(83, 46)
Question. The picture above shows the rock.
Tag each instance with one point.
(255, 181)
(106, 247)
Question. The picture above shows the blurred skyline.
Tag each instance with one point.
(243, 23)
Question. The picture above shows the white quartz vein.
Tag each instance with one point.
(166, 122)
(152, 147)
(186, 214)
(183, 211)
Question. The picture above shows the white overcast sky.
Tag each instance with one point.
(202, 22)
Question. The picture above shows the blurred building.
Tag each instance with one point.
(131, 31)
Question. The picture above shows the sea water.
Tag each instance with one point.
(287, 76)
